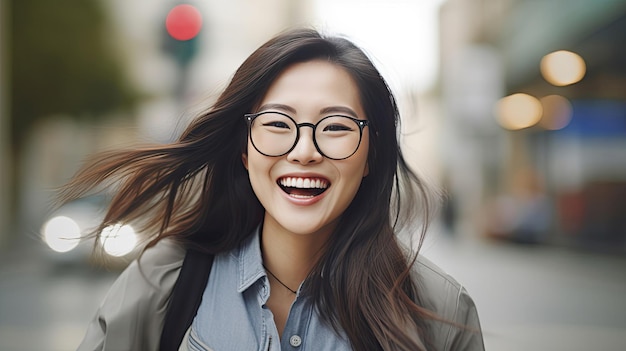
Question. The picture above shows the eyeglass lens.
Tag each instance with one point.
(275, 134)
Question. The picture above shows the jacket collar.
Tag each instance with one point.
(250, 261)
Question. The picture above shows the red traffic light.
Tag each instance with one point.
(183, 22)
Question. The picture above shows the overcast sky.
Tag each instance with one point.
(400, 35)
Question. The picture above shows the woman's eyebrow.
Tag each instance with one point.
(338, 109)
(324, 111)
(278, 107)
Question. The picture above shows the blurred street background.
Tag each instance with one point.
(516, 108)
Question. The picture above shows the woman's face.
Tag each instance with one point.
(304, 192)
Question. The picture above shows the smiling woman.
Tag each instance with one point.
(312, 92)
(287, 191)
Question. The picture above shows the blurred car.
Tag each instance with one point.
(67, 233)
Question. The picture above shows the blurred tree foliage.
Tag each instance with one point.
(62, 64)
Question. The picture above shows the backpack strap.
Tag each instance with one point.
(185, 299)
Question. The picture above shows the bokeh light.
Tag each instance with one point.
(557, 112)
(562, 68)
(183, 22)
(118, 240)
(61, 234)
(518, 111)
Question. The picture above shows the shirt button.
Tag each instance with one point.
(295, 341)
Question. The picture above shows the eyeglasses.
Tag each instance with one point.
(274, 134)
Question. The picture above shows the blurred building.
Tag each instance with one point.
(557, 174)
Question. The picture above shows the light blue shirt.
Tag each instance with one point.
(233, 314)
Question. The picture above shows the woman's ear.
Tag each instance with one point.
(366, 171)
(244, 160)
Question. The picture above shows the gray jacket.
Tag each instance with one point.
(132, 314)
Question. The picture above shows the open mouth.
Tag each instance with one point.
(303, 188)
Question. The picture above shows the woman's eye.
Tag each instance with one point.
(276, 124)
(336, 128)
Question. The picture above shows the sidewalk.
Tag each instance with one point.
(45, 306)
(539, 297)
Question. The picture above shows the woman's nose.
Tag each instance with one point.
(305, 151)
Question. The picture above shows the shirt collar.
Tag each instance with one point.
(250, 261)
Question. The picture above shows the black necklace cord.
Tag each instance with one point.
(278, 280)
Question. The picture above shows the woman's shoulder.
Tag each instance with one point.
(442, 294)
(164, 257)
(156, 269)
(131, 315)
(153, 269)
(152, 275)
(435, 276)
(438, 291)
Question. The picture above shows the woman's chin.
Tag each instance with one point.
(304, 226)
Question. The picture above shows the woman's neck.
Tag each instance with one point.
(290, 256)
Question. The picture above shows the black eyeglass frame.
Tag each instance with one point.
(361, 123)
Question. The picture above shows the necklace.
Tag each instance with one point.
(278, 280)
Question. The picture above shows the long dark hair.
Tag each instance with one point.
(197, 191)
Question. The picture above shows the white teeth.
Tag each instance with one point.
(304, 183)
(301, 196)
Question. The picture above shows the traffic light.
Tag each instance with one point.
(182, 25)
